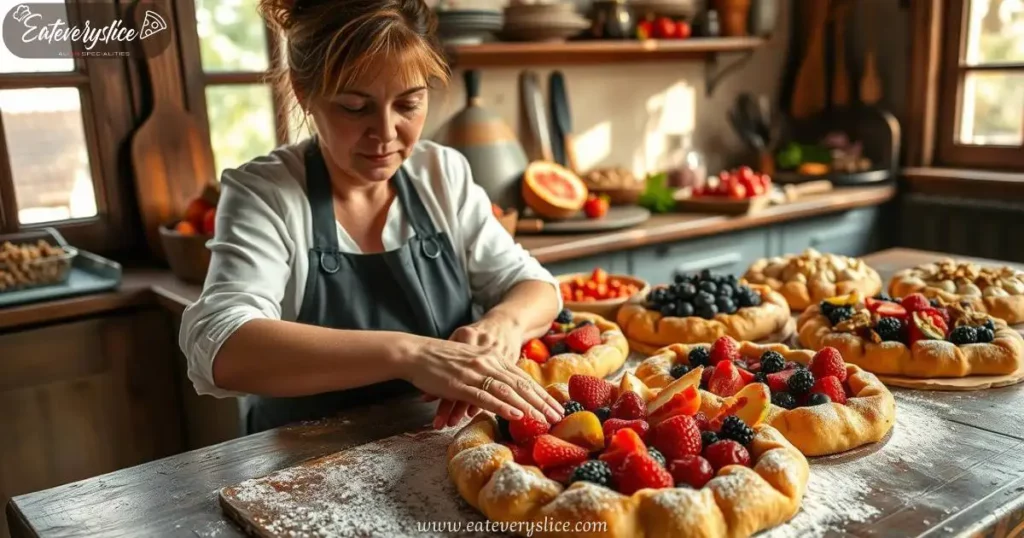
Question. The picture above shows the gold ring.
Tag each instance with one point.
(487, 383)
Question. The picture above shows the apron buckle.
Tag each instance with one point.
(332, 266)
(433, 251)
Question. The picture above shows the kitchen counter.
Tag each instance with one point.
(969, 483)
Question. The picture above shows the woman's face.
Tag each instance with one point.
(369, 128)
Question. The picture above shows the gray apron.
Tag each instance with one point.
(419, 288)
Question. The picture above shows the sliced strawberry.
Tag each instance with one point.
(612, 425)
(583, 338)
(746, 376)
(779, 381)
(623, 443)
(629, 406)
(552, 338)
(915, 302)
(677, 436)
(535, 350)
(527, 428)
(885, 309)
(726, 380)
(550, 451)
(832, 387)
(640, 471)
(562, 473)
(590, 391)
(521, 454)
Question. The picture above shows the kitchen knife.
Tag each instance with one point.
(562, 116)
(535, 116)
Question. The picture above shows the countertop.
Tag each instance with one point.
(959, 486)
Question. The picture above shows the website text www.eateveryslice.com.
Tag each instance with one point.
(522, 528)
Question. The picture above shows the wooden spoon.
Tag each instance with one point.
(870, 82)
(809, 96)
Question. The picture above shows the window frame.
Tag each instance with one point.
(108, 118)
(951, 153)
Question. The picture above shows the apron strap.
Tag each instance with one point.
(417, 214)
(321, 203)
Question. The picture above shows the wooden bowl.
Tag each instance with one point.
(607, 308)
(626, 196)
(723, 204)
(187, 254)
(509, 220)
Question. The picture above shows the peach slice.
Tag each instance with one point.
(691, 379)
(686, 402)
(581, 429)
(632, 383)
(559, 391)
(751, 404)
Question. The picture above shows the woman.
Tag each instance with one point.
(344, 268)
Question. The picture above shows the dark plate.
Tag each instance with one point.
(618, 217)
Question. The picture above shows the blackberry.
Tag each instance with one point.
(725, 305)
(707, 312)
(801, 381)
(761, 377)
(725, 290)
(703, 299)
(565, 316)
(572, 406)
(734, 428)
(818, 398)
(593, 471)
(989, 325)
(772, 362)
(784, 400)
(503, 429)
(708, 438)
(657, 455)
(699, 356)
(840, 314)
(603, 413)
(679, 370)
(826, 308)
(963, 335)
(707, 286)
(559, 347)
(985, 335)
(684, 309)
(889, 329)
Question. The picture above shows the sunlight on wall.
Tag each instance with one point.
(670, 115)
(593, 146)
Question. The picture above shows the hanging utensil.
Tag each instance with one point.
(840, 76)
(809, 87)
(562, 121)
(871, 81)
(534, 117)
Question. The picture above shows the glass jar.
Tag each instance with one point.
(690, 169)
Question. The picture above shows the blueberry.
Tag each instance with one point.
(707, 311)
(708, 286)
(684, 309)
(725, 305)
(703, 299)
(725, 290)
(686, 291)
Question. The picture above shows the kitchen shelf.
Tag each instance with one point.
(596, 52)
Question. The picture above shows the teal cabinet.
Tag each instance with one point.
(851, 233)
(727, 253)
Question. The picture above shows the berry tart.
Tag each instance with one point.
(808, 278)
(818, 402)
(577, 343)
(997, 291)
(657, 468)
(913, 337)
(701, 308)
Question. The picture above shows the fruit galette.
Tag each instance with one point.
(913, 337)
(702, 307)
(645, 468)
(578, 343)
(808, 278)
(819, 403)
(998, 291)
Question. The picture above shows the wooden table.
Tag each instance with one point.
(968, 483)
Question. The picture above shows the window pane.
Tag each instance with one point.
(995, 32)
(241, 123)
(299, 126)
(49, 158)
(9, 63)
(231, 35)
(992, 112)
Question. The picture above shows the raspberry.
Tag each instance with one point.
(572, 406)
(699, 356)
(702, 420)
(915, 302)
(550, 451)
(772, 362)
(520, 454)
(612, 425)
(640, 471)
(734, 428)
(677, 436)
(727, 452)
(527, 428)
(583, 337)
(832, 387)
(692, 470)
(629, 406)
(594, 471)
(828, 362)
(779, 382)
(801, 381)
(724, 349)
(592, 392)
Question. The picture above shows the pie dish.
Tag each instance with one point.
(830, 407)
(806, 279)
(998, 291)
(687, 482)
(913, 338)
(577, 343)
(701, 308)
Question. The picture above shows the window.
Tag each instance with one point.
(981, 122)
(226, 62)
(58, 164)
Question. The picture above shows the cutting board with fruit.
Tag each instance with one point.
(733, 192)
(184, 241)
(558, 201)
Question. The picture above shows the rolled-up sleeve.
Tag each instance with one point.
(495, 262)
(248, 273)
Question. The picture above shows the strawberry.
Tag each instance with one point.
(724, 349)
(702, 421)
(596, 206)
(691, 470)
(629, 406)
(779, 381)
(583, 338)
(535, 350)
(521, 454)
(745, 376)
(612, 425)
(639, 471)
(623, 443)
(552, 338)
(726, 380)
(677, 436)
(591, 392)
(828, 362)
(915, 302)
(891, 310)
(725, 452)
(550, 451)
(830, 386)
(705, 376)
(527, 428)
(562, 473)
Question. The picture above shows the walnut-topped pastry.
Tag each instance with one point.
(998, 291)
(808, 278)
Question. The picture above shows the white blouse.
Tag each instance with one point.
(264, 231)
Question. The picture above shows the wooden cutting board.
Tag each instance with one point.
(618, 217)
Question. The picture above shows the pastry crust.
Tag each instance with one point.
(738, 502)
(997, 291)
(808, 278)
(925, 359)
(867, 417)
(600, 360)
(651, 329)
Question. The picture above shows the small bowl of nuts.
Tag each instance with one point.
(618, 184)
(34, 259)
